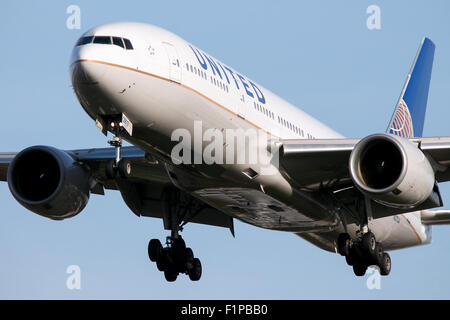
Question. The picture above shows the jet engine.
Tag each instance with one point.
(49, 182)
(391, 170)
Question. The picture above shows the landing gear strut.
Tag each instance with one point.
(175, 257)
(118, 165)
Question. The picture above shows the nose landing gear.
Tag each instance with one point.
(118, 165)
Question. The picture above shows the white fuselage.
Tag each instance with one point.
(164, 83)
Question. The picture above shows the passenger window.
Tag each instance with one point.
(118, 42)
(102, 40)
(128, 44)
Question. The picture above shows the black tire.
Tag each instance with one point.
(379, 252)
(349, 259)
(154, 250)
(385, 267)
(189, 255)
(163, 262)
(343, 244)
(124, 168)
(110, 169)
(195, 273)
(179, 252)
(170, 274)
(359, 269)
(369, 244)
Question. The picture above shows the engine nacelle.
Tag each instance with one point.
(391, 170)
(48, 182)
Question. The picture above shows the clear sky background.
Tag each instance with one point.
(318, 55)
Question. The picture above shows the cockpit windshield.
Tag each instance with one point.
(121, 42)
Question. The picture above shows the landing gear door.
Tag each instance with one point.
(174, 62)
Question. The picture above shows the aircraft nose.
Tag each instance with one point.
(86, 69)
(87, 72)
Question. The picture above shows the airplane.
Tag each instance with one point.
(209, 145)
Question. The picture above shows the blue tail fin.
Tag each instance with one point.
(409, 115)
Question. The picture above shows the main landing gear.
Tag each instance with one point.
(363, 253)
(176, 257)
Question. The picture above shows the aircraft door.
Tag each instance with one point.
(174, 62)
(243, 106)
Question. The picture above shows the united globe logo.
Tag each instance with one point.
(402, 123)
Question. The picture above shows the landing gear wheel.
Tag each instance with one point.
(379, 253)
(369, 244)
(189, 255)
(195, 272)
(155, 250)
(179, 252)
(385, 267)
(349, 259)
(170, 274)
(343, 244)
(175, 258)
(163, 263)
(124, 168)
(110, 169)
(359, 269)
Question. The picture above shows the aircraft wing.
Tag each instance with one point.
(321, 162)
(435, 217)
(5, 159)
(311, 163)
(142, 192)
(438, 149)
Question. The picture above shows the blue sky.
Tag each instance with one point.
(318, 55)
